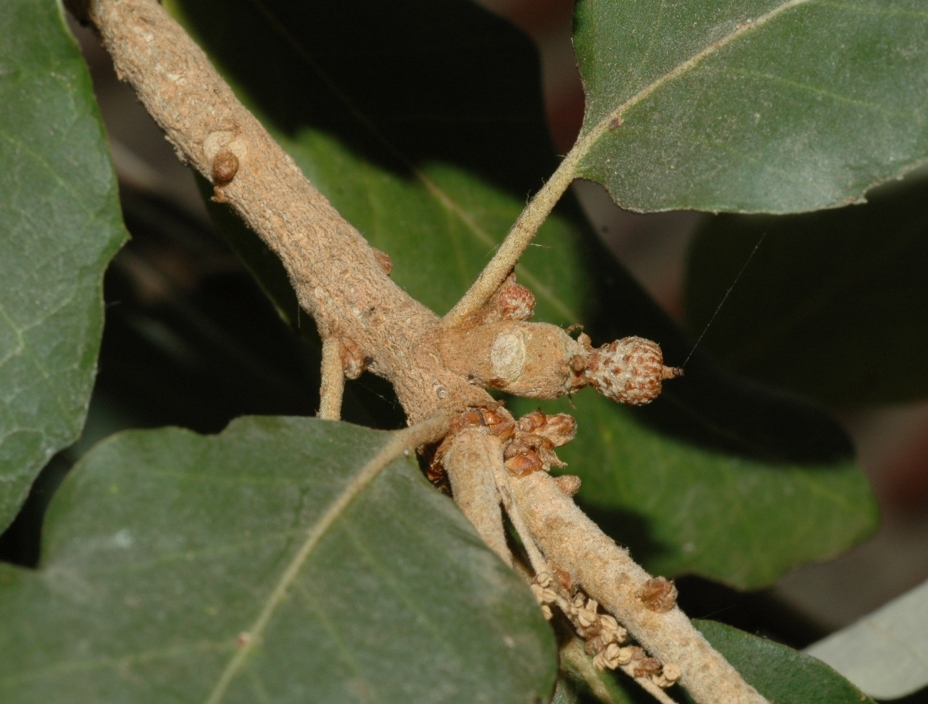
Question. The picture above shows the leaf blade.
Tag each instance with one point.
(884, 653)
(779, 673)
(831, 306)
(231, 513)
(61, 225)
(751, 106)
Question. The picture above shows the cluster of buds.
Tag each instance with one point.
(605, 638)
(534, 438)
(528, 444)
(497, 423)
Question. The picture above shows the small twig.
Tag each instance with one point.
(333, 379)
(519, 237)
(568, 538)
(468, 462)
(501, 477)
(647, 685)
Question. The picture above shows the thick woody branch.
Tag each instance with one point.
(335, 273)
(573, 542)
(360, 311)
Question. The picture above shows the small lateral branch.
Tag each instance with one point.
(608, 574)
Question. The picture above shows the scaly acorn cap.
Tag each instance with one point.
(629, 370)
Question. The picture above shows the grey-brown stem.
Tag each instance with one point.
(338, 279)
(608, 574)
(335, 273)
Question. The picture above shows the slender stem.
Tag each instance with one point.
(648, 686)
(333, 379)
(519, 237)
(501, 477)
(569, 539)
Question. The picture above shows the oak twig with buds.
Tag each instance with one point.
(438, 367)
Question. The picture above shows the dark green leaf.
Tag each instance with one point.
(781, 674)
(832, 305)
(718, 477)
(438, 211)
(753, 105)
(59, 226)
(165, 550)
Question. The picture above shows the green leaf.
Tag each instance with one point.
(60, 224)
(409, 176)
(755, 105)
(718, 477)
(781, 674)
(273, 555)
(832, 305)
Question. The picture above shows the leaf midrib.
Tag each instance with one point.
(392, 449)
(589, 140)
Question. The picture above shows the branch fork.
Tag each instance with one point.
(437, 366)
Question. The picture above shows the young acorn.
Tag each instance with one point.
(539, 360)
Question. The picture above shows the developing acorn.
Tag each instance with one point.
(539, 360)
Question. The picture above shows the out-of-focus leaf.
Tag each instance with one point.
(167, 553)
(718, 477)
(886, 652)
(59, 226)
(422, 122)
(779, 673)
(754, 105)
(833, 304)
(439, 208)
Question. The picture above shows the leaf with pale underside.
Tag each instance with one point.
(886, 652)
(278, 561)
(754, 105)
(439, 212)
(60, 224)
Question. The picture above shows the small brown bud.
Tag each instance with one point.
(354, 362)
(225, 166)
(594, 645)
(515, 302)
(503, 430)
(560, 429)
(568, 484)
(647, 667)
(384, 260)
(530, 422)
(516, 448)
(658, 594)
(523, 464)
(564, 579)
(629, 370)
